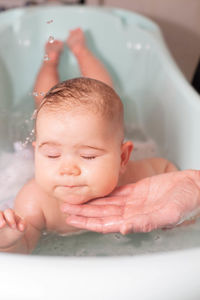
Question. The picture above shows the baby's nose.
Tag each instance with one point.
(70, 169)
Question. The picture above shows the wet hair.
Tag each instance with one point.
(84, 94)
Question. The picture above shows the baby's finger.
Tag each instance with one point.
(2, 220)
(9, 216)
(21, 224)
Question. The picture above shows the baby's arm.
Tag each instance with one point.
(20, 228)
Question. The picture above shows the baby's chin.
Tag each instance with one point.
(77, 200)
(80, 197)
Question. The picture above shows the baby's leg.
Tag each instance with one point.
(89, 65)
(48, 73)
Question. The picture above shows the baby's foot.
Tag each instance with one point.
(76, 41)
(53, 51)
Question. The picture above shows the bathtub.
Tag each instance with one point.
(157, 98)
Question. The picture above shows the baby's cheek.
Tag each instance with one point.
(43, 175)
(107, 181)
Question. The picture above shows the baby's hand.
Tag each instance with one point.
(12, 228)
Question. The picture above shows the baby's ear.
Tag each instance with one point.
(126, 150)
(33, 144)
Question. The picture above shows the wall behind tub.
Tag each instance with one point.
(180, 24)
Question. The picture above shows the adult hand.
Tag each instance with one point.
(156, 202)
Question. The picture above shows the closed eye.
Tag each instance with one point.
(53, 156)
(88, 157)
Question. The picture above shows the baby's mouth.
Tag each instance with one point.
(69, 187)
(72, 186)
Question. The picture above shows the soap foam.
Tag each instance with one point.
(16, 169)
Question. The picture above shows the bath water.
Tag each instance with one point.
(16, 167)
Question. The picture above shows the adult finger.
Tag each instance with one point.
(88, 210)
(109, 200)
(103, 225)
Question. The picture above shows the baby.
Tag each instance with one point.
(80, 154)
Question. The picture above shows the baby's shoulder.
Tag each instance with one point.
(31, 190)
(30, 197)
(159, 165)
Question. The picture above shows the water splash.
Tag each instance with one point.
(34, 114)
(46, 57)
(49, 22)
(29, 139)
(51, 39)
(35, 94)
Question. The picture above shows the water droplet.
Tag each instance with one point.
(27, 43)
(42, 94)
(44, 232)
(46, 57)
(50, 21)
(129, 45)
(51, 39)
(35, 94)
(34, 114)
(138, 46)
(32, 132)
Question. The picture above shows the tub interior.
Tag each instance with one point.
(157, 100)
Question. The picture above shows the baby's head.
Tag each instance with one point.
(79, 148)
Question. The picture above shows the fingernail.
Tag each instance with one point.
(21, 227)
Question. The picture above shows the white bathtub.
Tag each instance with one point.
(157, 98)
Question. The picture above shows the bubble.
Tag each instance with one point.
(117, 236)
(157, 238)
(46, 57)
(51, 39)
(81, 252)
(50, 21)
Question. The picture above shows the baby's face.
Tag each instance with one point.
(77, 156)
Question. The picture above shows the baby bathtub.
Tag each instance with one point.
(156, 97)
